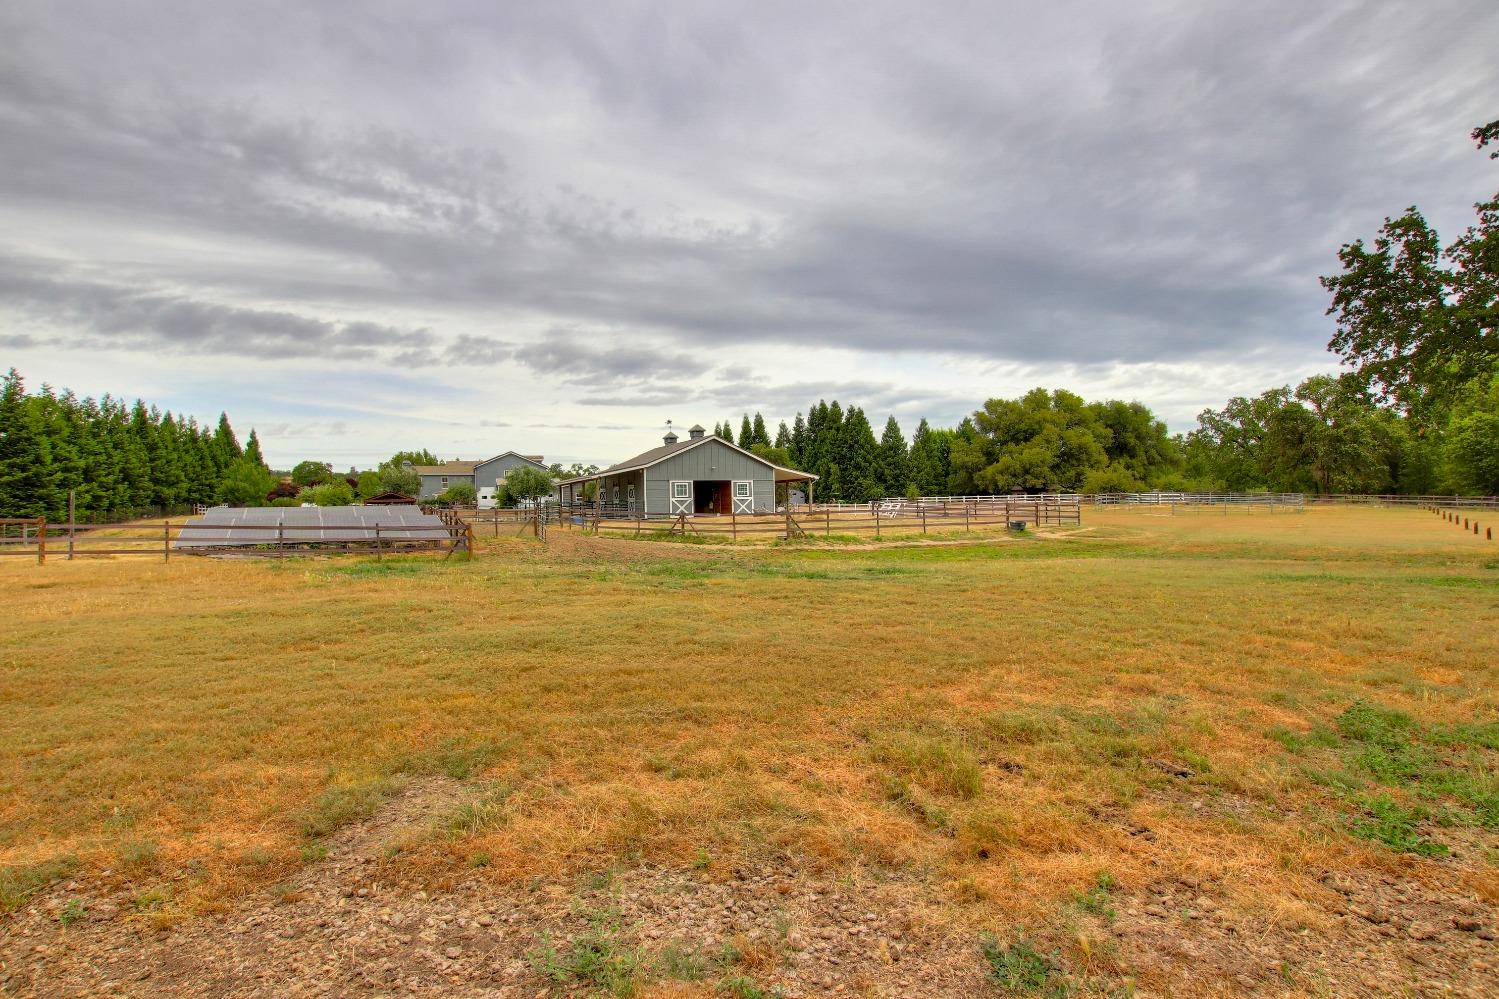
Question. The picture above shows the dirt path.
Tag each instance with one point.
(350, 925)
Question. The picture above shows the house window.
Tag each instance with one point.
(616, 495)
(681, 490)
(742, 490)
(630, 496)
(445, 482)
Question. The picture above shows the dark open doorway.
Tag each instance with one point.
(711, 496)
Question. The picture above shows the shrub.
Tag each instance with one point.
(334, 493)
(526, 483)
(1113, 479)
(458, 494)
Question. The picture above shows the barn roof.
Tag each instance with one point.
(656, 455)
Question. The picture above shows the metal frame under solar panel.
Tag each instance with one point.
(248, 526)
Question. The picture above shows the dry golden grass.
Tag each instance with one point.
(991, 716)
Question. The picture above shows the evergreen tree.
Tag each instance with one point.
(783, 438)
(746, 433)
(893, 461)
(252, 450)
(758, 434)
(25, 459)
(114, 460)
(861, 454)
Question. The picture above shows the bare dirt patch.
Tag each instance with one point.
(354, 923)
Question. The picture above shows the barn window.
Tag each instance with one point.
(681, 490)
(445, 482)
(742, 490)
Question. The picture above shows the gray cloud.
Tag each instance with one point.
(590, 359)
(617, 199)
(110, 316)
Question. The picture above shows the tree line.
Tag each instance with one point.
(117, 458)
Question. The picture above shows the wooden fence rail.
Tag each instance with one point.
(827, 519)
(37, 539)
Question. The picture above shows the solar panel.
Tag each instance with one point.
(224, 526)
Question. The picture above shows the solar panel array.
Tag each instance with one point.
(223, 526)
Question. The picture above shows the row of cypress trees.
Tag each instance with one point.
(119, 459)
(839, 446)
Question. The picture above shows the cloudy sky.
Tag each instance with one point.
(551, 227)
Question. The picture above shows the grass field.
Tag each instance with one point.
(1026, 731)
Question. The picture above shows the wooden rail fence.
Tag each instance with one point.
(827, 520)
(36, 538)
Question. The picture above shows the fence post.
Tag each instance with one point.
(41, 541)
(280, 537)
(166, 541)
(923, 518)
(827, 525)
(876, 521)
(966, 528)
(734, 520)
(379, 548)
(70, 523)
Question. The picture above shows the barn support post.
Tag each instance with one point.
(71, 511)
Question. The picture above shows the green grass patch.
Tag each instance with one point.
(486, 812)
(18, 883)
(1019, 968)
(744, 987)
(343, 803)
(1097, 900)
(1386, 821)
(595, 960)
(937, 764)
(1442, 773)
(931, 814)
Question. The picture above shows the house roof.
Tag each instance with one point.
(467, 467)
(656, 455)
(447, 468)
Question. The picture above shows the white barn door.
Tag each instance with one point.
(744, 497)
(681, 498)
